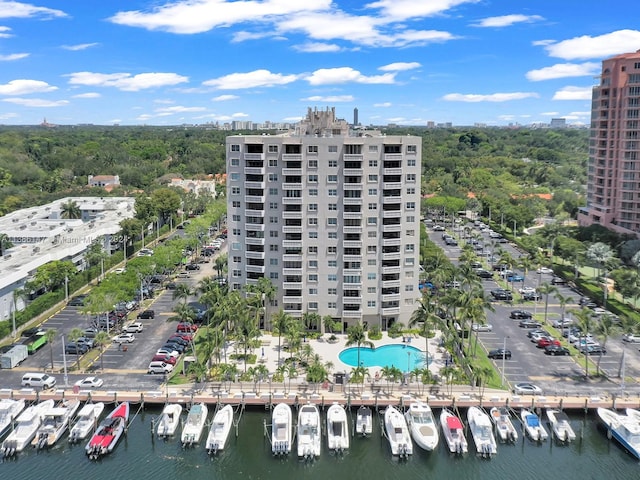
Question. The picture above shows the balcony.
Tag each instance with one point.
(256, 185)
(292, 215)
(393, 297)
(292, 243)
(352, 244)
(390, 270)
(292, 186)
(352, 229)
(392, 256)
(352, 314)
(293, 310)
(292, 271)
(391, 200)
(390, 311)
(292, 157)
(352, 186)
(392, 228)
(291, 299)
(393, 156)
(254, 213)
(254, 156)
(254, 227)
(254, 241)
(352, 201)
(351, 215)
(292, 200)
(254, 268)
(391, 242)
(254, 199)
(392, 214)
(353, 157)
(392, 185)
(254, 255)
(291, 171)
(254, 170)
(292, 286)
(356, 172)
(391, 283)
(393, 171)
(292, 229)
(292, 257)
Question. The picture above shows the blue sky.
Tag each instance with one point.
(166, 62)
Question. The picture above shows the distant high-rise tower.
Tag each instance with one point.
(355, 117)
(613, 190)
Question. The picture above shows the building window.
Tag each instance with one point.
(312, 277)
(235, 148)
(273, 275)
(235, 218)
(273, 233)
(372, 262)
(235, 162)
(372, 248)
(332, 178)
(371, 289)
(332, 192)
(235, 204)
(411, 177)
(411, 191)
(273, 248)
(313, 221)
(373, 206)
(332, 277)
(372, 234)
(372, 220)
(373, 191)
(313, 234)
(412, 148)
(313, 207)
(313, 249)
(333, 149)
(272, 148)
(273, 262)
(237, 273)
(237, 259)
(372, 178)
(332, 235)
(313, 264)
(236, 232)
(410, 205)
(312, 179)
(273, 220)
(332, 305)
(273, 177)
(409, 248)
(312, 149)
(313, 291)
(235, 190)
(408, 288)
(332, 250)
(332, 263)
(411, 233)
(332, 221)
(333, 163)
(333, 207)
(409, 261)
(411, 218)
(371, 276)
(273, 191)
(411, 162)
(332, 291)
(371, 303)
(273, 162)
(235, 246)
(312, 305)
(235, 176)
(273, 205)
(313, 163)
(372, 149)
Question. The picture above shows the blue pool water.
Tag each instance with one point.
(401, 356)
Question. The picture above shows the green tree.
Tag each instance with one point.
(5, 243)
(70, 210)
(165, 201)
(74, 335)
(51, 333)
(101, 340)
(546, 289)
(281, 323)
(356, 336)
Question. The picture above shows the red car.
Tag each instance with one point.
(183, 335)
(186, 327)
(164, 358)
(545, 342)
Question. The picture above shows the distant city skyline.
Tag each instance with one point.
(401, 62)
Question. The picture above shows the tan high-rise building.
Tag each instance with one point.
(332, 218)
(613, 191)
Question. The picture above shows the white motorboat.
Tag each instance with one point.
(364, 421)
(9, 411)
(397, 432)
(623, 428)
(482, 432)
(533, 426)
(27, 425)
(309, 431)
(169, 420)
(337, 428)
(109, 432)
(453, 432)
(560, 425)
(220, 428)
(192, 429)
(634, 414)
(422, 425)
(55, 423)
(281, 429)
(504, 426)
(87, 421)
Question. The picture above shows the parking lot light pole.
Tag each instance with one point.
(64, 363)
(504, 356)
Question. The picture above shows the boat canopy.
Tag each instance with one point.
(533, 421)
(454, 423)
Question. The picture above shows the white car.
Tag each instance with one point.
(124, 338)
(166, 351)
(135, 327)
(631, 338)
(545, 270)
(481, 327)
(526, 389)
(89, 382)
(120, 270)
(527, 290)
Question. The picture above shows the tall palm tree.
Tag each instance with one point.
(281, 322)
(70, 210)
(51, 333)
(74, 335)
(5, 243)
(546, 289)
(101, 340)
(603, 329)
(182, 292)
(426, 316)
(357, 336)
(600, 254)
(585, 322)
(482, 376)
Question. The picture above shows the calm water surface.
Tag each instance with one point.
(248, 456)
(402, 356)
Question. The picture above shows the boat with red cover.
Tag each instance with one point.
(109, 432)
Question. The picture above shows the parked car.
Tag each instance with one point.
(499, 353)
(545, 270)
(529, 324)
(186, 327)
(523, 290)
(164, 358)
(547, 341)
(192, 266)
(124, 338)
(89, 382)
(146, 314)
(515, 278)
(175, 346)
(631, 338)
(484, 274)
(168, 351)
(188, 336)
(73, 348)
(77, 301)
(481, 327)
(593, 349)
(179, 340)
(89, 342)
(531, 297)
(501, 294)
(520, 314)
(159, 367)
(526, 388)
(134, 327)
(558, 281)
(556, 350)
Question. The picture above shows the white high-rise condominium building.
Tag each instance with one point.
(331, 218)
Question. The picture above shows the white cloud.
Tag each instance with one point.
(87, 95)
(81, 46)
(8, 116)
(125, 81)
(4, 32)
(25, 87)
(385, 104)
(601, 46)
(507, 20)
(179, 109)
(493, 97)
(506, 117)
(239, 115)
(328, 76)
(329, 98)
(573, 93)
(36, 102)
(257, 78)
(224, 98)
(317, 47)
(243, 36)
(406, 9)
(10, 9)
(399, 66)
(580, 114)
(13, 56)
(550, 114)
(164, 101)
(563, 70)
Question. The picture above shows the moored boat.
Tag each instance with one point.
(337, 428)
(453, 432)
(633, 414)
(504, 426)
(27, 425)
(169, 420)
(532, 425)
(422, 425)
(560, 425)
(55, 422)
(364, 421)
(192, 429)
(482, 432)
(281, 429)
(220, 428)
(397, 432)
(623, 428)
(108, 433)
(87, 421)
(9, 411)
(309, 432)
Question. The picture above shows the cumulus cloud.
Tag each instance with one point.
(550, 114)
(493, 97)
(224, 98)
(329, 98)
(4, 32)
(257, 78)
(13, 56)
(179, 109)
(573, 93)
(87, 95)
(399, 66)
(126, 81)
(25, 87)
(80, 46)
(507, 20)
(317, 47)
(600, 46)
(329, 76)
(384, 104)
(36, 102)
(407, 9)
(563, 70)
(10, 9)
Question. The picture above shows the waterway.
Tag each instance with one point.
(248, 456)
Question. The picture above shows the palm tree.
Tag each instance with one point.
(357, 336)
(358, 376)
(5, 243)
(220, 263)
(604, 328)
(483, 375)
(74, 335)
(292, 372)
(182, 292)
(281, 322)
(426, 316)
(526, 263)
(546, 289)
(70, 210)
(585, 324)
(101, 340)
(51, 333)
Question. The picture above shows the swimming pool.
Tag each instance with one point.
(400, 356)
